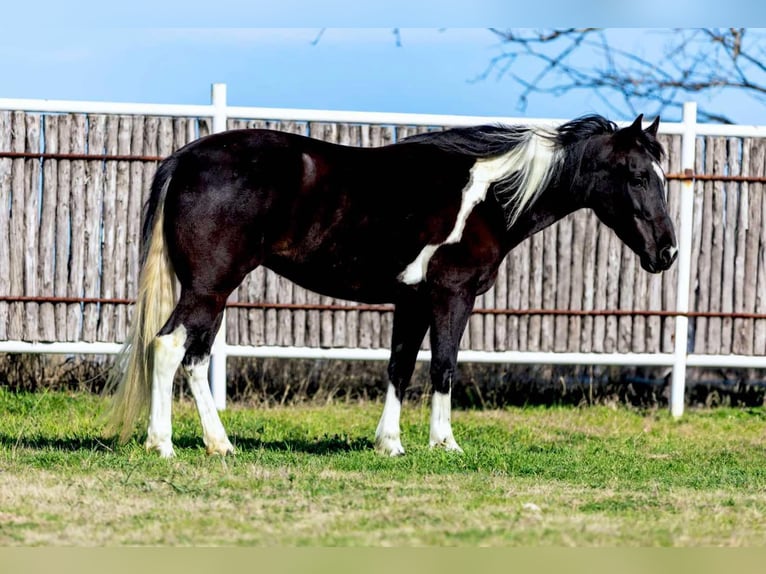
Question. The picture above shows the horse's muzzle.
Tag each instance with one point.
(665, 259)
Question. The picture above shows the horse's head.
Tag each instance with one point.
(627, 192)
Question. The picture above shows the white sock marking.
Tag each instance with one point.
(441, 422)
(388, 434)
(532, 162)
(213, 433)
(168, 353)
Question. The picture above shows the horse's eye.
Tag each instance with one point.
(638, 181)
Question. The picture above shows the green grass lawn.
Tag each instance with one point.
(595, 476)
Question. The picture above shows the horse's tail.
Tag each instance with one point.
(130, 378)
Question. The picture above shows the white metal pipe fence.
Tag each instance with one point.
(219, 111)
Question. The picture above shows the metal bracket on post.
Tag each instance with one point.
(680, 352)
(218, 351)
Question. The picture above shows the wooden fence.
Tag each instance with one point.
(72, 187)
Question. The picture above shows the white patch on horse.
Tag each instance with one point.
(528, 166)
(168, 353)
(388, 434)
(659, 172)
(213, 433)
(441, 423)
(415, 272)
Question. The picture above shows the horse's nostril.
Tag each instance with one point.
(668, 254)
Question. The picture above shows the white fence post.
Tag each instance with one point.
(680, 353)
(218, 352)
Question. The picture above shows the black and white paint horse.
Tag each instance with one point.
(423, 224)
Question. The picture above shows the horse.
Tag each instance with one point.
(422, 224)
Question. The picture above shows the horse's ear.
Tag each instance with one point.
(636, 125)
(652, 129)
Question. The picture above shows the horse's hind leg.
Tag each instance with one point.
(167, 353)
(200, 316)
(186, 340)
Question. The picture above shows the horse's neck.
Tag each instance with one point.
(554, 204)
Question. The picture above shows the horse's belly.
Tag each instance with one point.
(354, 280)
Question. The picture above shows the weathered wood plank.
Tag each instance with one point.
(107, 314)
(500, 335)
(701, 249)
(563, 285)
(640, 296)
(550, 278)
(573, 325)
(613, 270)
(32, 226)
(590, 250)
(63, 180)
(16, 329)
(270, 295)
(5, 235)
(718, 239)
(522, 269)
(753, 247)
(513, 270)
(256, 293)
(626, 300)
(77, 218)
(742, 337)
(32, 206)
(94, 195)
(603, 236)
(122, 216)
(135, 203)
(535, 271)
(728, 286)
(758, 169)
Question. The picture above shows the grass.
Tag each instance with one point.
(307, 475)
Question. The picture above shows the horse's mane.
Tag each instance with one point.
(484, 141)
(491, 140)
(535, 154)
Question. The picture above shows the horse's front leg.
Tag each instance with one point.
(410, 325)
(450, 312)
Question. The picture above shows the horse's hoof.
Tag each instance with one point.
(448, 444)
(222, 448)
(389, 446)
(164, 448)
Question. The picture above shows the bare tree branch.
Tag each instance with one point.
(703, 62)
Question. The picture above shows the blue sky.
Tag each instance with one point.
(170, 52)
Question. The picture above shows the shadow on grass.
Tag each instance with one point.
(323, 445)
(71, 444)
(320, 445)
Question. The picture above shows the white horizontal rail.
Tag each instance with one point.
(464, 356)
(382, 354)
(93, 107)
(60, 348)
(343, 116)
